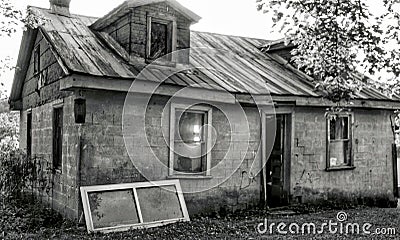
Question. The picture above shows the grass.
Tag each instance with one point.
(22, 220)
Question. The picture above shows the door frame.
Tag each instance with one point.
(289, 142)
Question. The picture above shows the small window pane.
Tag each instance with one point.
(345, 126)
(190, 127)
(339, 128)
(159, 40)
(339, 153)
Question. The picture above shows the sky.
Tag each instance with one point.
(232, 17)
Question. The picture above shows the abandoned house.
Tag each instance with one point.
(74, 77)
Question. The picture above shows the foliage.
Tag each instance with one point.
(11, 20)
(29, 221)
(334, 39)
(15, 172)
(9, 128)
(15, 169)
(24, 215)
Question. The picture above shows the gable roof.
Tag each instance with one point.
(234, 64)
(125, 7)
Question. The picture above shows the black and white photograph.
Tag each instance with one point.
(199, 119)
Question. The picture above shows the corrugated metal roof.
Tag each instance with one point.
(234, 64)
(242, 58)
(80, 48)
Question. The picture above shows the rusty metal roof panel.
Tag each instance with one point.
(258, 73)
(80, 47)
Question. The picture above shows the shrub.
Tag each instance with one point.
(15, 168)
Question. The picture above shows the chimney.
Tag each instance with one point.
(60, 7)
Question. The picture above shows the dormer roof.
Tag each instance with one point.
(125, 7)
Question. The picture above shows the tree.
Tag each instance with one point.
(335, 39)
(11, 20)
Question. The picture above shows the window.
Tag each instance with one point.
(161, 36)
(57, 137)
(29, 134)
(36, 60)
(190, 140)
(339, 149)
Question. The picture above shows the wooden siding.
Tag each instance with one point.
(49, 74)
(130, 30)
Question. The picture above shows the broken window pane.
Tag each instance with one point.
(159, 40)
(190, 141)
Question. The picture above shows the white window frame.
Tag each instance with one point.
(208, 111)
(85, 191)
(350, 117)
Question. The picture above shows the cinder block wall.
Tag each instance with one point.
(370, 182)
(106, 161)
(58, 189)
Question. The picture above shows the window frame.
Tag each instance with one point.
(36, 59)
(57, 157)
(199, 108)
(170, 21)
(350, 165)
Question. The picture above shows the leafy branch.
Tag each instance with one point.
(12, 19)
(336, 39)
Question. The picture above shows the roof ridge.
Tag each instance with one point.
(231, 35)
(72, 14)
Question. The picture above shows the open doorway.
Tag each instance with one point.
(277, 168)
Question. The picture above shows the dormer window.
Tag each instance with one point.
(161, 36)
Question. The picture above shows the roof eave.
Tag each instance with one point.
(24, 56)
(125, 7)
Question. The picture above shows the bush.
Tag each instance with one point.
(16, 171)
(15, 168)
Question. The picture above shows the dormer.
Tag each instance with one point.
(150, 29)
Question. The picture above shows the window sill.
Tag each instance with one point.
(189, 177)
(341, 168)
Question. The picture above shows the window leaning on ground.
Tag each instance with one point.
(190, 140)
(57, 137)
(161, 38)
(339, 146)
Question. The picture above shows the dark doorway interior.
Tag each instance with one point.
(277, 164)
(29, 134)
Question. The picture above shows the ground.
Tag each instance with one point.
(28, 221)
